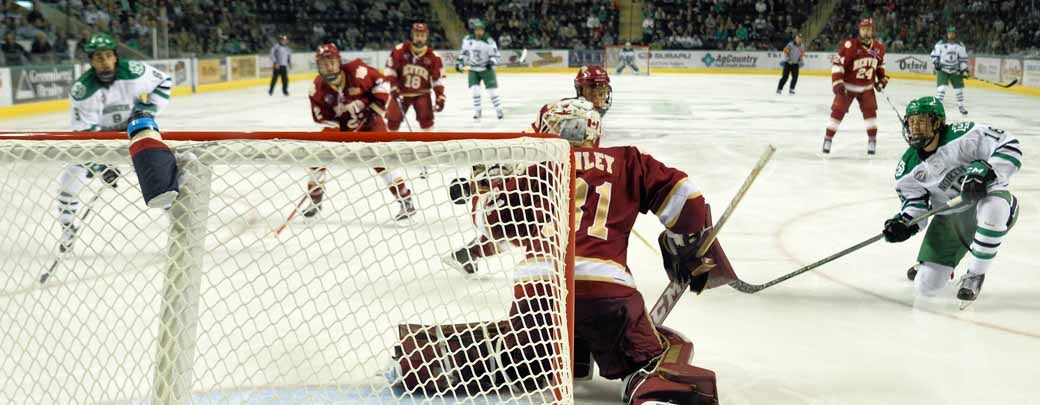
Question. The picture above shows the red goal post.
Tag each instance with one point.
(612, 60)
(203, 302)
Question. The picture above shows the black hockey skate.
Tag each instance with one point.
(317, 194)
(911, 273)
(963, 110)
(871, 147)
(971, 287)
(826, 145)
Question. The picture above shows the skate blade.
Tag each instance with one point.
(965, 304)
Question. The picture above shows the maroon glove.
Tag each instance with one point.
(438, 105)
(839, 89)
(881, 83)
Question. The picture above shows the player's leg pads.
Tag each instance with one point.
(583, 364)
(931, 278)
(671, 379)
(153, 161)
(438, 359)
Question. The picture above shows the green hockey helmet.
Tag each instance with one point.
(479, 24)
(951, 29)
(927, 106)
(99, 42)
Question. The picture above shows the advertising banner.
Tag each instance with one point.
(41, 82)
(1010, 69)
(242, 67)
(735, 60)
(908, 63)
(211, 71)
(5, 86)
(673, 59)
(536, 58)
(1031, 73)
(176, 68)
(988, 69)
(585, 57)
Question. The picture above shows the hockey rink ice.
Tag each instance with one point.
(849, 332)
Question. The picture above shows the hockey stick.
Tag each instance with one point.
(404, 117)
(1011, 83)
(306, 195)
(893, 105)
(54, 264)
(746, 288)
(670, 296)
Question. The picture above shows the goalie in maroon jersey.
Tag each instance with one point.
(612, 326)
(350, 97)
(413, 70)
(857, 70)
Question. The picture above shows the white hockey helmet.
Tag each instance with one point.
(573, 119)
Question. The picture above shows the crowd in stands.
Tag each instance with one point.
(245, 27)
(204, 27)
(985, 27)
(576, 24)
(722, 24)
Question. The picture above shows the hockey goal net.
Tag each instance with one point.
(617, 63)
(206, 302)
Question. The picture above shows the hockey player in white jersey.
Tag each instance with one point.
(103, 99)
(969, 159)
(950, 59)
(627, 58)
(480, 53)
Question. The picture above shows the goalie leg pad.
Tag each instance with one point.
(674, 380)
(619, 333)
(439, 359)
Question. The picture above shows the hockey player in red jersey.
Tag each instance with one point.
(413, 70)
(351, 97)
(858, 69)
(612, 326)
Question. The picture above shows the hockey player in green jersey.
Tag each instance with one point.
(480, 53)
(103, 99)
(944, 160)
(950, 60)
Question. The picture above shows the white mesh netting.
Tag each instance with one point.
(205, 303)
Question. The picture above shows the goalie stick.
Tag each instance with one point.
(306, 195)
(61, 255)
(671, 294)
(746, 288)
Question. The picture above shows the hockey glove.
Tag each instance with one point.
(438, 105)
(678, 252)
(881, 83)
(110, 175)
(965, 73)
(977, 178)
(935, 65)
(897, 230)
(458, 68)
(839, 89)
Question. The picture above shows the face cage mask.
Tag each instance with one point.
(920, 143)
(610, 96)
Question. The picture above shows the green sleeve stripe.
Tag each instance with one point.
(989, 233)
(161, 94)
(983, 256)
(1009, 158)
(922, 206)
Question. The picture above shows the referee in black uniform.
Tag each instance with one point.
(793, 59)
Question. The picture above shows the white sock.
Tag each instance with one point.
(495, 100)
(70, 182)
(476, 98)
(960, 95)
(992, 215)
(940, 92)
(931, 277)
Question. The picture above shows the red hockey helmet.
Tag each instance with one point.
(866, 22)
(596, 78)
(420, 27)
(327, 51)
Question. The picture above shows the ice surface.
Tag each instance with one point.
(850, 332)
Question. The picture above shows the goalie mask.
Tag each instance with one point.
(575, 120)
(593, 84)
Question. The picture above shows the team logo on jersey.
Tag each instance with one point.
(354, 91)
(848, 44)
(900, 168)
(921, 175)
(78, 90)
(329, 99)
(137, 68)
